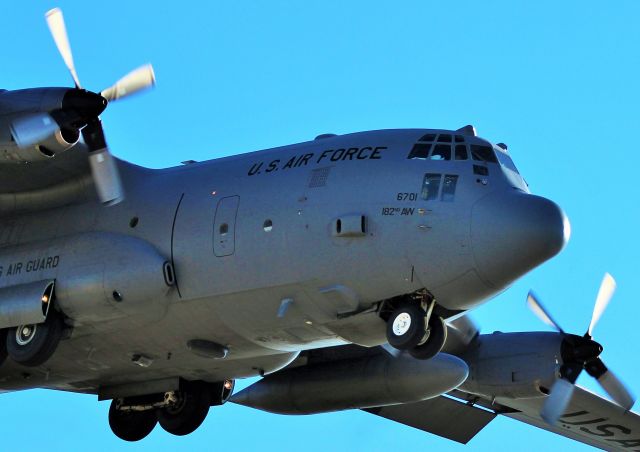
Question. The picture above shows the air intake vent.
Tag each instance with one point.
(319, 177)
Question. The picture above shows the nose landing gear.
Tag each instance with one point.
(411, 328)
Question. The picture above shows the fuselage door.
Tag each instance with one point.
(224, 226)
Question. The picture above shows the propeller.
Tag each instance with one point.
(82, 108)
(580, 353)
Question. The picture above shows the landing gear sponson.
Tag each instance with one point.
(32, 344)
(415, 328)
(178, 412)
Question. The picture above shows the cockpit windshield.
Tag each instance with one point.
(483, 153)
(506, 161)
(448, 146)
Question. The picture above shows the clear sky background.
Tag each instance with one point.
(556, 81)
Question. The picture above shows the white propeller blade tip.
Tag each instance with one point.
(605, 293)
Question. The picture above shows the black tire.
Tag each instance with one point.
(37, 348)
(435, 342)
(131, 425)
(187, 416)
(413, 327)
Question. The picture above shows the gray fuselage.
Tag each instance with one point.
(274, 252)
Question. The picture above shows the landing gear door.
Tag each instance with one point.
(224, 226)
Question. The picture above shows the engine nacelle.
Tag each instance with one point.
(36, 137)
(514, 365)
(60, 141)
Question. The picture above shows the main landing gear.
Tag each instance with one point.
(32, 345)
(412, 328)
(178, 412)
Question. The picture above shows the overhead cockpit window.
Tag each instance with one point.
(461, 152)
(483, 153)
(430, 186)
(432, 146)
(441, 152)
(428, 137)
(420, 151)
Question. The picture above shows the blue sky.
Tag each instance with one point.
(556, 81)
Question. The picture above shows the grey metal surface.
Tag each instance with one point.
(440, 416)
(590, 419)
(517, 365)
(234, 299)
(23, 304)
(371, 381)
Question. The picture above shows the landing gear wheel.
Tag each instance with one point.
(32, 345)
(435, 341)
(189, 413)
(405, 327)
(131, 425)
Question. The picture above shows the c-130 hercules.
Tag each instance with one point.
(338, 269)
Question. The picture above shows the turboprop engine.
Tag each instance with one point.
(368, 382)
(48, 137)
(42, 122)
(514, 365)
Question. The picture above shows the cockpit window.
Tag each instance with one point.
(430, 186)
(420, 151)
(444, 138)
(441, 152)
(506, 161)
(483, 153)
(461, 152)
(459, 139)
(428, 137)
(449, 187)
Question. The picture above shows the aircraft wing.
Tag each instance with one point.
(442, 416)
(61, 180)
(590, 419)
(17, 178)
(459, 416)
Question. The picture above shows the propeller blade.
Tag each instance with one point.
(607, 288)
(616, 390)
(55, 20)
(136, 80)
(31, 129)
(557, 402)
(539, 310)
(103, 166)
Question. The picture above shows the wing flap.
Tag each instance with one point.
(442, 416)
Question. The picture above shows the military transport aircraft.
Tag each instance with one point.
(339, 269)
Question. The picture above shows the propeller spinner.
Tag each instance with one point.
(578, 353)
(83, 107)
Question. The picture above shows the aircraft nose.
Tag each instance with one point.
(513, 232)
